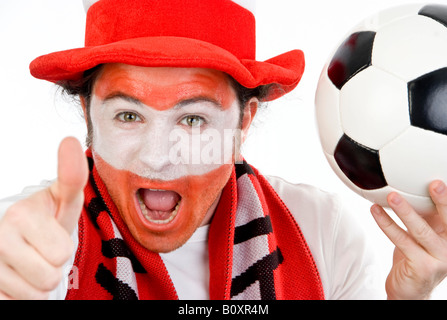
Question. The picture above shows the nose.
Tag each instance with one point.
(154, 153)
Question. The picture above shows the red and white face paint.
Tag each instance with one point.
(163, 143)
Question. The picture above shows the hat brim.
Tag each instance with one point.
(284, 71)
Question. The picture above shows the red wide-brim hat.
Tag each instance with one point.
(214, 34)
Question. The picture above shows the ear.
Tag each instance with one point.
(249, 113)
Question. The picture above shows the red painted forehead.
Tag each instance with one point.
(164, 88)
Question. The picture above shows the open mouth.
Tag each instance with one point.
(159, 206)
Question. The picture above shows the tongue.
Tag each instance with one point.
(159, 200)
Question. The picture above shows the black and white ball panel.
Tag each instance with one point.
(374, 99)
(436, 12)
(414, 156)
(427, 97)
(410, 47)
(353, 56)
(364, 170)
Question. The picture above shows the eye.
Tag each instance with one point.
(193, 121)
(128, 117)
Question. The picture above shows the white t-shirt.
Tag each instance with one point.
(345, 261)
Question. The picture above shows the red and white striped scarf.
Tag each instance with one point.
(256, 249)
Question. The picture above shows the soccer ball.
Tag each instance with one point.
(381, 105)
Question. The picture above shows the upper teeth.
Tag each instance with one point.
(145, 212)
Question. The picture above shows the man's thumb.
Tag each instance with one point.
(72, 175)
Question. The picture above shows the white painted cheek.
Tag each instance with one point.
(195, 152)
(218, 146)
(199, 151)
(231, 133)
(116, 147)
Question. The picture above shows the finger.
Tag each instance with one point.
(49, 238)
(438, 193)
(4, 296)
(417, 226)
(72, 178)
(72, 169)
(29, 265)
(40, 229)
(399, 237)
(13, 286)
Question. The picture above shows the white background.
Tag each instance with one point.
(284, 141)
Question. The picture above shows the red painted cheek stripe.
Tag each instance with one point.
(131, 182)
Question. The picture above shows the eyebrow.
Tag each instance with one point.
(123, 96)
(181, 104)
(186, 102)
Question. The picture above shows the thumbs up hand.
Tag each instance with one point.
(35, 233)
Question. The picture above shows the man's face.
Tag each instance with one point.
(163, 143)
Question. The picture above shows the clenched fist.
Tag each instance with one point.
(35, 233)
